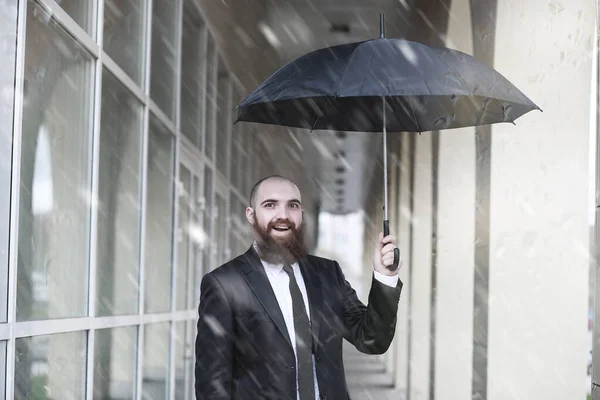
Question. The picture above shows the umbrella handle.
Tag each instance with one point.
(386, 232)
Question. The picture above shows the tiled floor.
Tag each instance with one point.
(367, 378)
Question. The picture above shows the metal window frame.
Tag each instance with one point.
(15, 197)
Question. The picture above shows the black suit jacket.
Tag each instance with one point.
(243, 350)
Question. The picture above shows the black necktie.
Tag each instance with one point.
(306, 383)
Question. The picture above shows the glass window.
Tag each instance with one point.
(197, 241)
(2, 369)
(156, 362)
(192, 357)
(211, 94)
(51, 366)
(124, 34)
(192, 73)
(54, 217)
(234, 171)
(183, 359)
(207, 206)
(82, 11)
(118, 200)
(246, 147)
(183, 256)
(159, 218)
(164, 56)
(115, 361)
(220, 229)
(223, 121)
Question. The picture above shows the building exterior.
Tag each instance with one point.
(123, 181)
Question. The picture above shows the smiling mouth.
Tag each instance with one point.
(281, 228)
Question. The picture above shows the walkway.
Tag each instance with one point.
(366, 377)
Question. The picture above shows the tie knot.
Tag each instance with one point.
(288, 269)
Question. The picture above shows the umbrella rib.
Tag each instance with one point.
(503, 112)
(337, 91)
(413, 112)
(460, 78)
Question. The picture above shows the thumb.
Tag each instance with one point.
(379, 242)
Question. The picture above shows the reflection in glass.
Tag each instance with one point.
(234, 171)
(183, 359)
(115, 363)
(159, 218)
(208, 214)
(183, 252)
(55, 173)
(118, 200)
(82, 11)
(124, 35)
(211, 95)
(220, 231)
(191, 366)
(192, 73)
(51, 367)
(223, 121)
(156, 362)
(164, 40)
(2, 369)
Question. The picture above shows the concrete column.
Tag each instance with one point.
(539, 227)
(455, 241)
(421, 271)
(393, 204)
(401, 339)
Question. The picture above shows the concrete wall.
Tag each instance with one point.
(511, 258)
(539, 237)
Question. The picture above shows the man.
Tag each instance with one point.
(271, 321)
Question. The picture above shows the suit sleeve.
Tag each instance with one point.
(214, 343)
(370, 328)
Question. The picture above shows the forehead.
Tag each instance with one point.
(277, 189)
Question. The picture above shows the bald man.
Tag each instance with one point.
(272, 320)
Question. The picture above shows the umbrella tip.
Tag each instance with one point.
(381, 26)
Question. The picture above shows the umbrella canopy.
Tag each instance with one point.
(425, 88)
(385, 84)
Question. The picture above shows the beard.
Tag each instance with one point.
(284, 250)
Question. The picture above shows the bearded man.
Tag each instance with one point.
(272, 320)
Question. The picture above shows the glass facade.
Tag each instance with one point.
(128, 174)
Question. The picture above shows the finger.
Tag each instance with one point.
(388, 248)
(388, 239)
(379, 241)
(387, 260)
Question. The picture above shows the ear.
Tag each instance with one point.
(250, 214)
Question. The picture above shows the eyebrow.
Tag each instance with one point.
(276, 201)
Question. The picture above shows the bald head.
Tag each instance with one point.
(269, 179)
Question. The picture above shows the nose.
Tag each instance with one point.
(282, 212)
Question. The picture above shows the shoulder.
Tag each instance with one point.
(224, 273)
(321, 260)
(325, 265)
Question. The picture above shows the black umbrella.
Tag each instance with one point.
(354, 87)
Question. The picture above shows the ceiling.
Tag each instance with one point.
(257, 37)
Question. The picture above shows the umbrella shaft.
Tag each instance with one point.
(385, 191)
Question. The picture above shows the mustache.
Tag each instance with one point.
(282, 221)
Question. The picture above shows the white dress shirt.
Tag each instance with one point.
(280, 283)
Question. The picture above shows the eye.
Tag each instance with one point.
(294, 205)
(268, 205)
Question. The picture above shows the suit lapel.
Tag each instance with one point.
(254, 273)
(312, 282)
